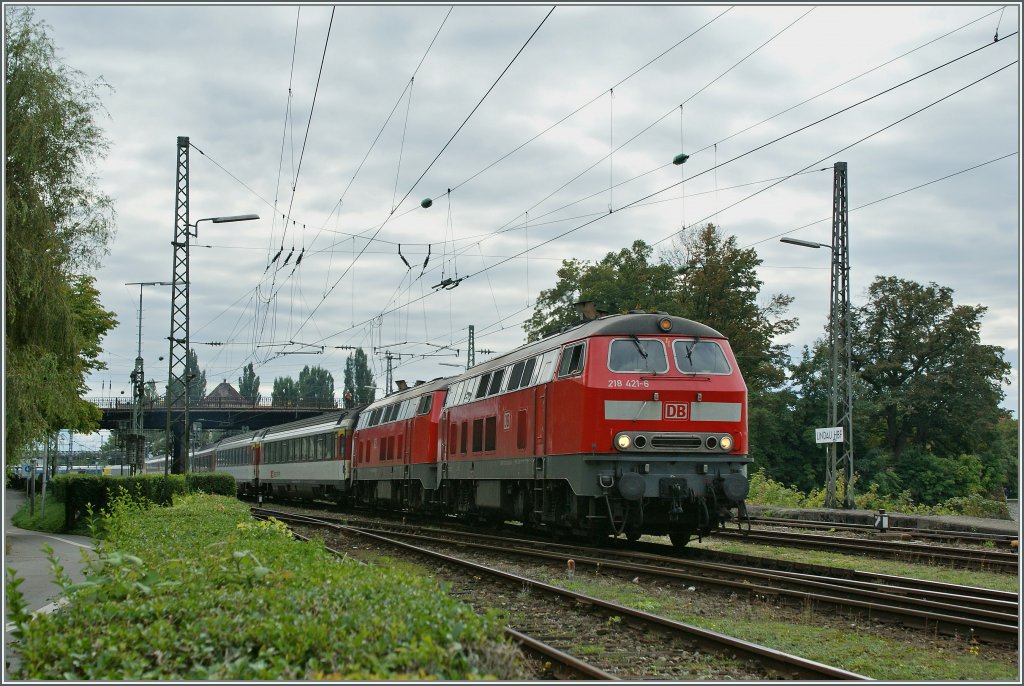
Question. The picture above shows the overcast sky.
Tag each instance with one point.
(526, 126)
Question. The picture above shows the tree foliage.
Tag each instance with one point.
(285, 392)
(359, 379)
(929, 380)
(719, 287)
(249, 384)
(56, 224)
(196, 381)
(316, 386)
(707, 278)
(622, 281)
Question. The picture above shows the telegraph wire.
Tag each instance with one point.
(650, 195)
(409, 192)
(887, 197)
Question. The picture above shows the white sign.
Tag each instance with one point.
(833, 435)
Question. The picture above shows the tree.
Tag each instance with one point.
(249, 384)
(719, 287)
(316, 387)
(56, 225)
(927, 378)
(359, 379)
(197, 381)
(620, 282)
(285, 393)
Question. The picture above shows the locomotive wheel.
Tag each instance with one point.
(679, 538)
(634, 536)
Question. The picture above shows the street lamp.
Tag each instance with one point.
(138, 377)
(840, 407)
(180, 311)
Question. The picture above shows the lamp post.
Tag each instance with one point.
(180, 344)
(138, 377)
(840, 407)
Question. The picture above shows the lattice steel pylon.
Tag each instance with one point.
(177, 358)
(840, 408)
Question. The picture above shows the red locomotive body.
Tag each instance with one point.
(395, 447)
(626, 424)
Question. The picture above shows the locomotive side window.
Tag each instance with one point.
(572, 360)
(496, 378)
(637, 355)
(491, 433)
(481, 390)
(700, 357)
(465, 437)
(424, 405)
(546, 367)
(478, 435)
(516, 377)
(531, 366)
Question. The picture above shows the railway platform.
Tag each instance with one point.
(23, 552)
(979, 525)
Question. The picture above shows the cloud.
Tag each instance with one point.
(240, 82)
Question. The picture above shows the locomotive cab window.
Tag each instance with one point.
(573, 357)
(700, 357)
(637, 355)
(424, 404)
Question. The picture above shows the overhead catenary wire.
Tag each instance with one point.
(716, 168)
(658, 192)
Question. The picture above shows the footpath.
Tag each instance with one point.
(23, 552)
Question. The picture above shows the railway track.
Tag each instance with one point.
(981, 614)
(998, 540)
(968, 558)
(680, 649)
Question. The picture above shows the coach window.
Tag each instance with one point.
(572, 360)
(700, 357)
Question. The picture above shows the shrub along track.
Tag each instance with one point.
(628, 644)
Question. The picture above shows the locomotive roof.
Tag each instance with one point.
(629, 324)
(411, 392)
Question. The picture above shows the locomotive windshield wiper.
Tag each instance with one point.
(689, 350)
(636, 342)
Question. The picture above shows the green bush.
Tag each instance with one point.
(764, 491)
(211, 483)
(81, 491)
(200, 591)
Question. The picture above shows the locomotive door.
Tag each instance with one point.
(539, 459)
(405, 448)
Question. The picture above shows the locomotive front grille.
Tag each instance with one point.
(676, 442)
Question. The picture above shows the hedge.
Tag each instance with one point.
(200, 591)
(79, 492)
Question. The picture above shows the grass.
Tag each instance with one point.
(950, 575)
(49, 519)
(849, 643)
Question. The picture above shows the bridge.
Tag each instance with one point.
(214, 413)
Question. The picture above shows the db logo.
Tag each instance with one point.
(677, 411)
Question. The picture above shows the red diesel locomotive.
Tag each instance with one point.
(627, 424)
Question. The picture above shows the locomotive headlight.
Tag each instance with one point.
(665, 324)
(725, 443)
(622, 442)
